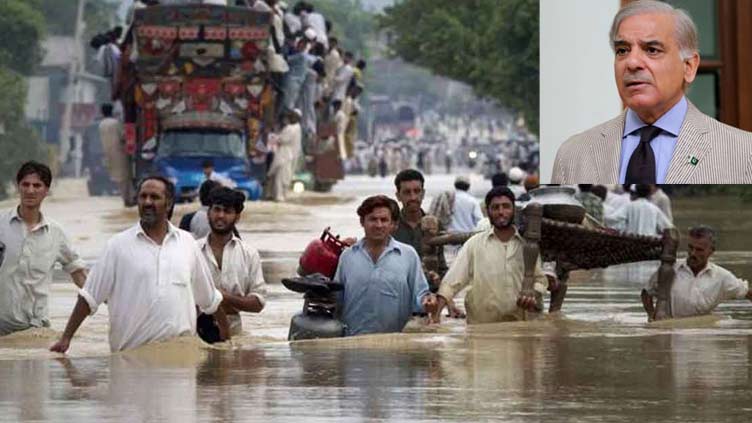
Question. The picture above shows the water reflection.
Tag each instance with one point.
(597, 361)
(494, 372)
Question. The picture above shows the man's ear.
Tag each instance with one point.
(690, 68)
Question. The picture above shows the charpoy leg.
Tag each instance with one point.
(666, 274)
(558, 294)
(531, 251)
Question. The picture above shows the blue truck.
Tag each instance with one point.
(194, 87)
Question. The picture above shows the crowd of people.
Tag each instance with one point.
(160, 281)
(316, 82)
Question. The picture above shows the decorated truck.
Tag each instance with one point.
(195, 87)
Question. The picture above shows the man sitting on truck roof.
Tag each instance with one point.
(208, 167)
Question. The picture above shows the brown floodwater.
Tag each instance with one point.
(597, 361)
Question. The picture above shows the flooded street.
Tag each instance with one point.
(597, 361)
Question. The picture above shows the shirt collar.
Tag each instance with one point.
(14, 216)
(708, 268)
(670, 122)
(203, 242)
(171, 230)
(402, 215)
(391, 245)
(490, 233)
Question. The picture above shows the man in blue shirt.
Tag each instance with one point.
(383, 278)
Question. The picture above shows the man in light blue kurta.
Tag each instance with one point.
(380, 295)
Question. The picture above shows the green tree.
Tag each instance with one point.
(23, 29)
(491, 45)
(20, 53)
(60, 15)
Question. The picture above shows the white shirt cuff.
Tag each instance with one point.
(90, 300)
(215, 303)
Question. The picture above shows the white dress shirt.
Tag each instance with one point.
(200, 223)
(697, 295)
(224, 180)
(26, 271)
(465, 213)
(151, 290)
(240, 273)
(611, 206)
(641, 217)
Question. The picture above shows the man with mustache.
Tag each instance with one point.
(699, 286)
(152, 276)
(32, 244)
(382, 277)
(661, 137)
(410, 192)
(491, 263)
(235, 266)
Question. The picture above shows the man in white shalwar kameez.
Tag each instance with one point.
(341, 120)
(641, 217)
(699, 286)
(289, 144)
(113, 145)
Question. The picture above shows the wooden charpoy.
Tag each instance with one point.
(575, 246)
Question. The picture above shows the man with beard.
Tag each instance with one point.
(699, 286)
(32, 244)
(491, 262)
(383, 278)
(152, 276)
(235, 266)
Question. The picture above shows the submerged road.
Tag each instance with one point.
(598, 361)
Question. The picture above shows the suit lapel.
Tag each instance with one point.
(693, 143)
(607, 151)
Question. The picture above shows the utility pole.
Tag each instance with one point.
(73, 74)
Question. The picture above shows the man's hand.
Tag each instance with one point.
(441, 302)
(349, 241)
(454, 312)
(430, 304)
(220, 318)
(61, 346)
(526, 301)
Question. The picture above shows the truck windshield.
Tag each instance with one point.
(202, 143)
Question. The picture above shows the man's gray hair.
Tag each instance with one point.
(685, 30)
(703, 231)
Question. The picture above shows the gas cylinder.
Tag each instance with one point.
(321, 255)
(312, 326)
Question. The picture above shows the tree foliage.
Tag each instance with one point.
(491, 45)
(20, 53)
(23, 29)
(60, 15)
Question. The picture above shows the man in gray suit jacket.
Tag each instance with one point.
(661, 137)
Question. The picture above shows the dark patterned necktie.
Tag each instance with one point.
(641, 167)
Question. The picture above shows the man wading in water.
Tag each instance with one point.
(151, 276)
